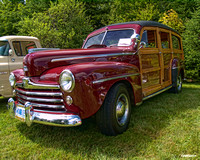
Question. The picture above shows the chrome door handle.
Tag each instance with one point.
(12, 59)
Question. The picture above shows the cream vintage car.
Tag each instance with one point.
(12, 51)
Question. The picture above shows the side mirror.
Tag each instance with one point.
(142, 45)
(10, 52)
(137, 38)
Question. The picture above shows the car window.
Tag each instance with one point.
(4, 48)
(94, 40)
(21, 47)
(175, 42)
(149, 36)
(164, 36)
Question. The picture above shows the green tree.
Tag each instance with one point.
(184, 8)
(10, 15)
(172, 19)
(64, 25)
(148, 12)
(32, 6)
(13, 11)
(106, 12)
(124, 11)
(191, 43)
(98, 11)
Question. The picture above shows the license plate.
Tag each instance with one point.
(20, 113)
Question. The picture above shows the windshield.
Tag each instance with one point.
(4, 48)
(109, 38)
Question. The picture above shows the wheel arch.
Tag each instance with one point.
(129, 88)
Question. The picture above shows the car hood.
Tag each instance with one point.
(37, 62)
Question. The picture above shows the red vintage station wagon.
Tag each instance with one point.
(118, 67)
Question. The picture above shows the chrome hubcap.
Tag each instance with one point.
(179, 83)
(122, 109)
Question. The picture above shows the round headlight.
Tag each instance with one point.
(12, 79)
(67, 81)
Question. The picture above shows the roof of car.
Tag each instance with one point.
(17, 37)
(148, 23)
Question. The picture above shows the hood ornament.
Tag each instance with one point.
(25, 69)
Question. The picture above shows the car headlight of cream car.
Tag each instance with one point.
(67, 81)
(12, 79)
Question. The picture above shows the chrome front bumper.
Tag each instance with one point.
(31, 116)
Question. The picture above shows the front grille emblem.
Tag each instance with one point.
(25, 82)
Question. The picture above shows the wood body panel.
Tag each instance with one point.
(156, 60)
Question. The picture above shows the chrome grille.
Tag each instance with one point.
(45, 99)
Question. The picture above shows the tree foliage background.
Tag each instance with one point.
(65, 23)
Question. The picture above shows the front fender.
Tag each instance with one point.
(93, 81)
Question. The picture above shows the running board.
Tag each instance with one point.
(156, 93)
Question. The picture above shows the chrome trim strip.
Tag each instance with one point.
(1, 73)
(40, 99)
(49, 106)
(39, 110)
(112, 78)
(39, 93)
(27, 84)
(156, 93)
(177, 67)
(92, 56)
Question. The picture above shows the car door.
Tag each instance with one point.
(151, 68)
(20, 49)
(165, 49)
(4, 68)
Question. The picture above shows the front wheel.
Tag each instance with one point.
(114, 115)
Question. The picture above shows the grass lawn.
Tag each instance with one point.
(166, 126)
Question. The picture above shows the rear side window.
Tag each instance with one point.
(175, 42)
(165, 40)
(21, 47)
(149, 36)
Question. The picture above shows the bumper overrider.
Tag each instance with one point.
(30, 116)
